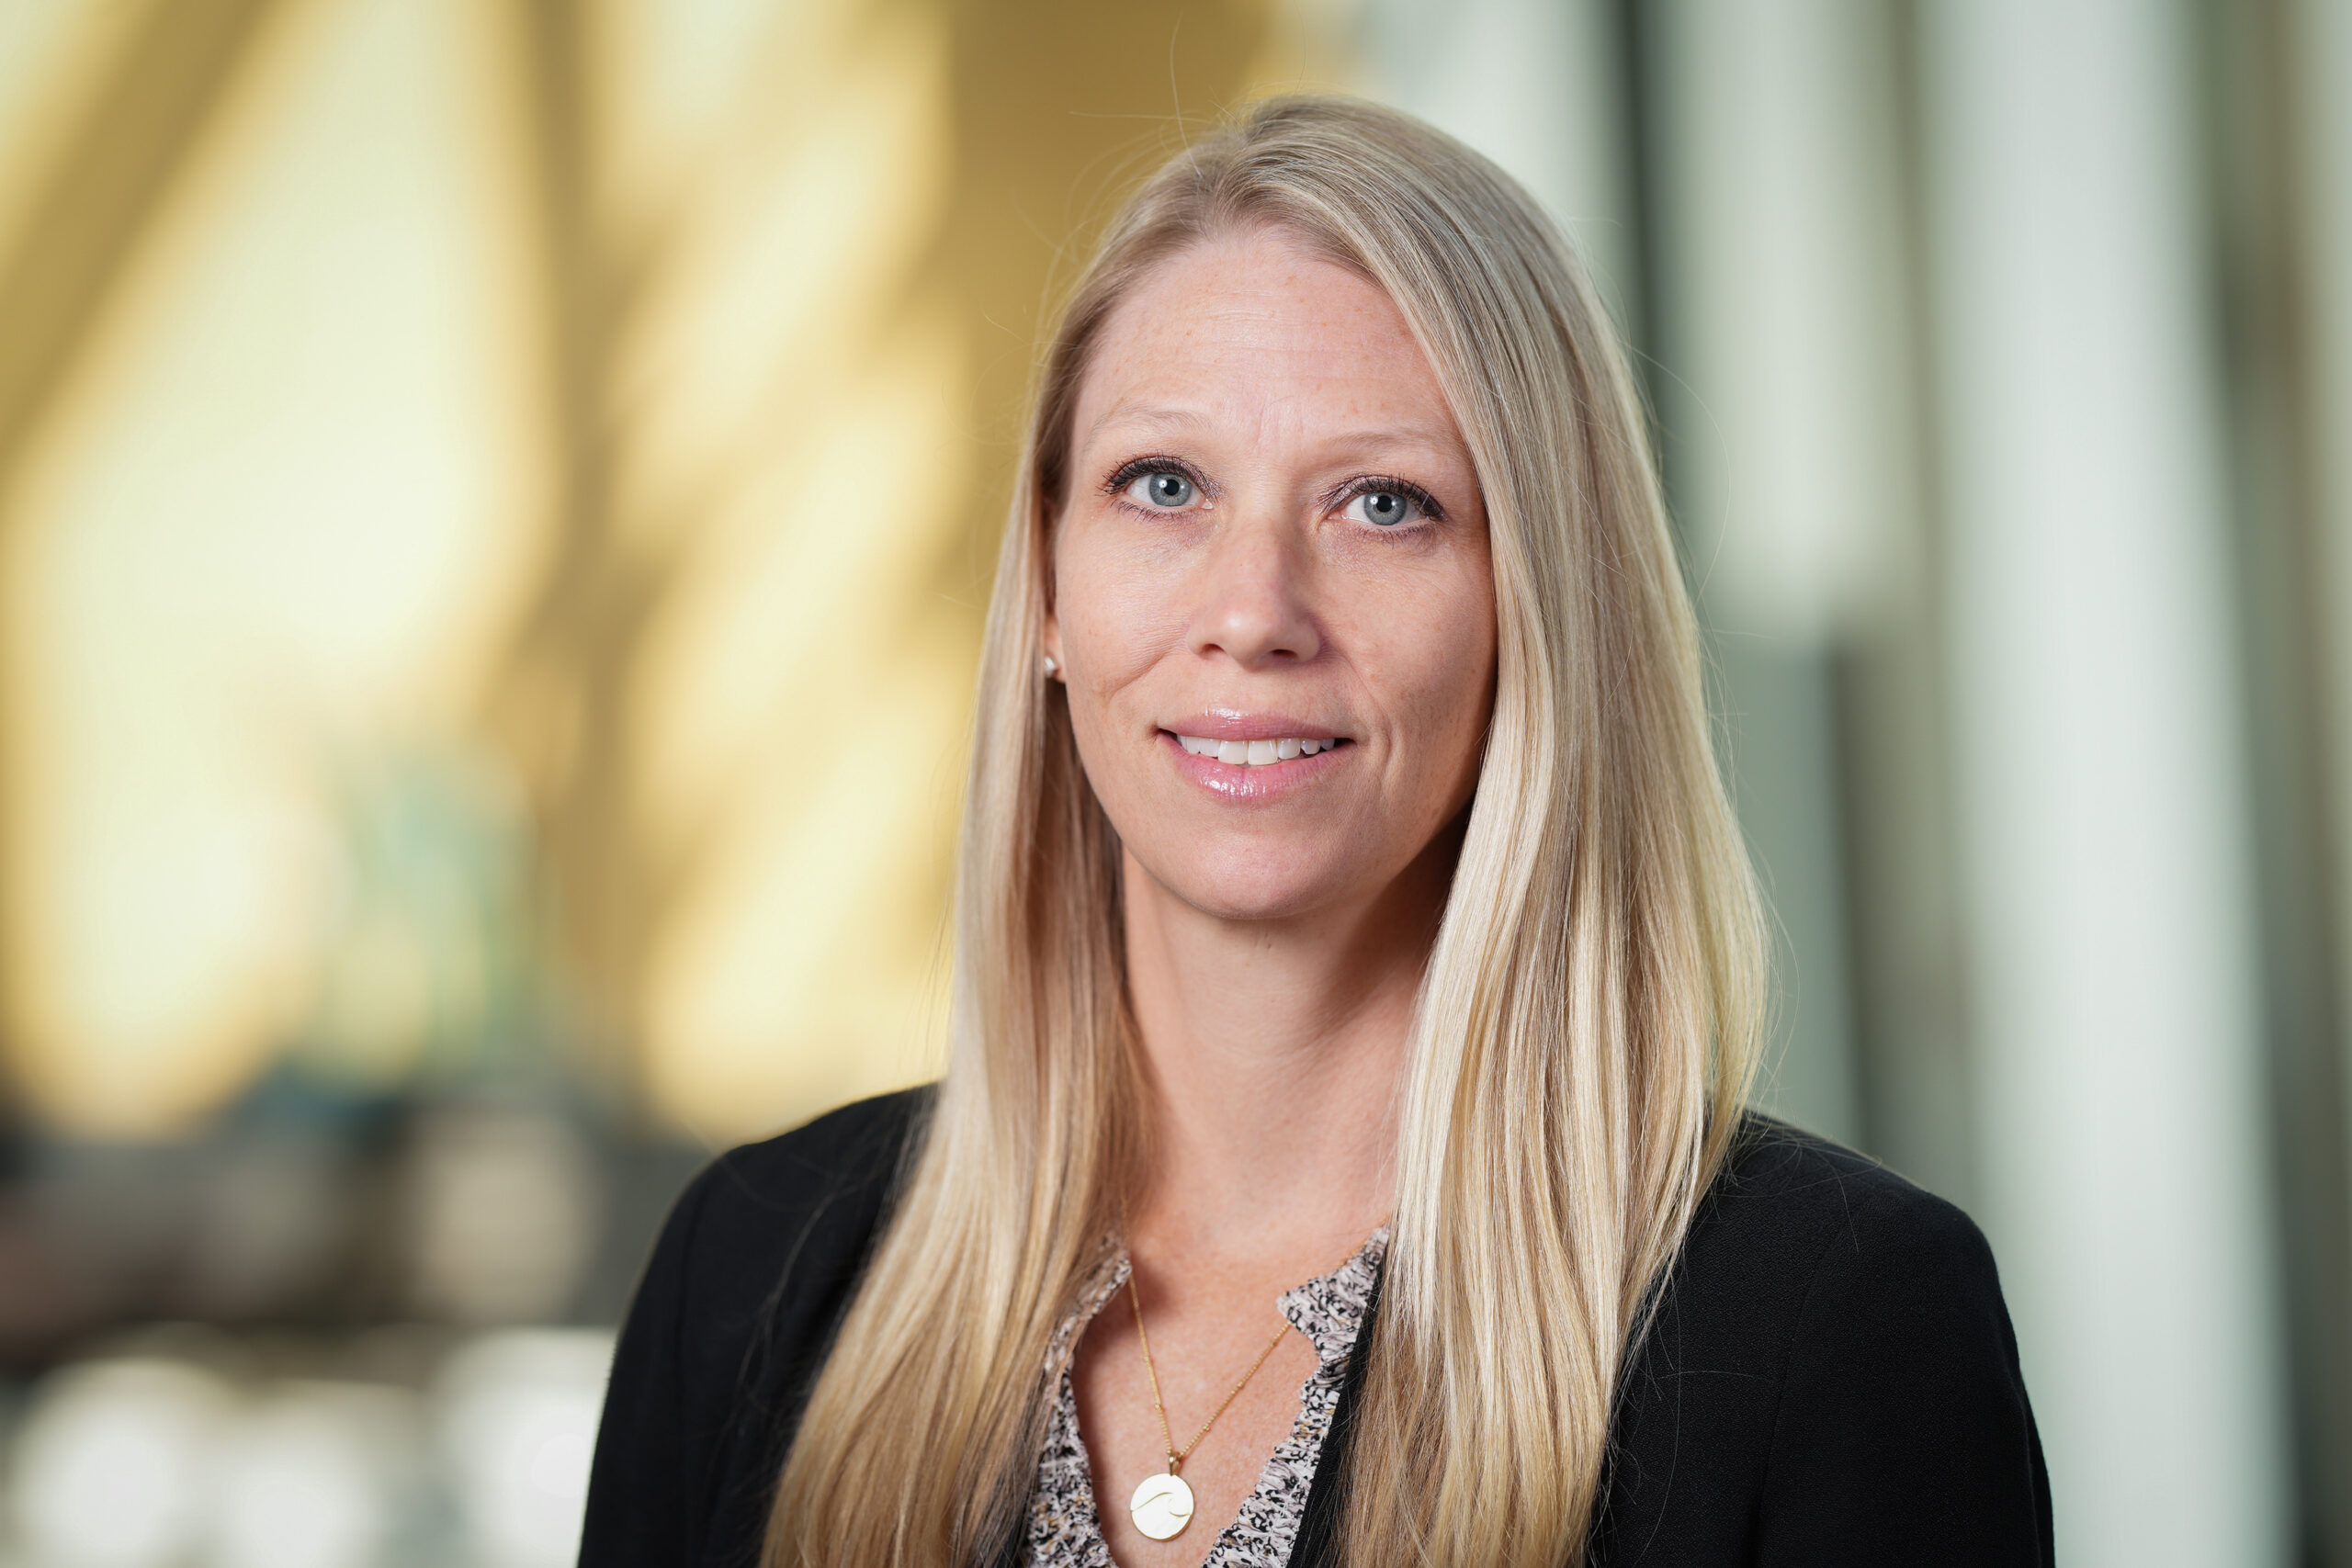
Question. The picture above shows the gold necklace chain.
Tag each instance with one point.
(1176, 1456)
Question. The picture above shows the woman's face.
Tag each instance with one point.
(1272, 600)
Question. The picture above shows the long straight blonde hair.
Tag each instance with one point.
(1590, 1014)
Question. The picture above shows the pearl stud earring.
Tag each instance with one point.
(1052, 669)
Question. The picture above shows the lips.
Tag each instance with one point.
(1257, 753)
(1262, 768)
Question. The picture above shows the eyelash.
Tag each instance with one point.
(1385, 484)
(1127, 473)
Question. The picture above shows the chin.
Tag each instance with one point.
(1239, 885)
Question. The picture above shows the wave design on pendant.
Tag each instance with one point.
(1161, 1506)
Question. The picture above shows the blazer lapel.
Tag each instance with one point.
(1318, 1525)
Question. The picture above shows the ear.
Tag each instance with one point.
(1050, 645)
(1050, 640)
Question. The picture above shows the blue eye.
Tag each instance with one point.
(1162, 487)
(1385, 508)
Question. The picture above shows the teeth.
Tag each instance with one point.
(1253, 754)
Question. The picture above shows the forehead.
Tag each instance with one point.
(1258, 328)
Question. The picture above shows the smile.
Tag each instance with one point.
(1257, 770)
(1257, 753)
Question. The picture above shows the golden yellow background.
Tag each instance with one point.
(475, 469)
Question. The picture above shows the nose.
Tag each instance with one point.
(1253, 604)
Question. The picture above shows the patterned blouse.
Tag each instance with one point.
(1065, 1531)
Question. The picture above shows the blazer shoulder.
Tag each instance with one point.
(857, 1148)
(732, 1319)
(1827, 1375)
(1780, 1183)
(1901, 1429)
(1798, 1227)
(1848, 1237)
(771, 1220)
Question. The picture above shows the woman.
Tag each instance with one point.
(1357, 969)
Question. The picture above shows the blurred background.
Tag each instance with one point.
(496, 498)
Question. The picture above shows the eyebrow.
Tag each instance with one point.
(1421, 443)
(1159, 418)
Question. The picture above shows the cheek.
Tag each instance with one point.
(1114, 624)
(1116, 618)
(1434, 651)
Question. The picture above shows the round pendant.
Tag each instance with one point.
(1161, 1506)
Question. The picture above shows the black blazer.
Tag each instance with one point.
(1830, 1378)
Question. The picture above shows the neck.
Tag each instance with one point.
(1272, 1054)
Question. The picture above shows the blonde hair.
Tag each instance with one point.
(1589, 1013)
